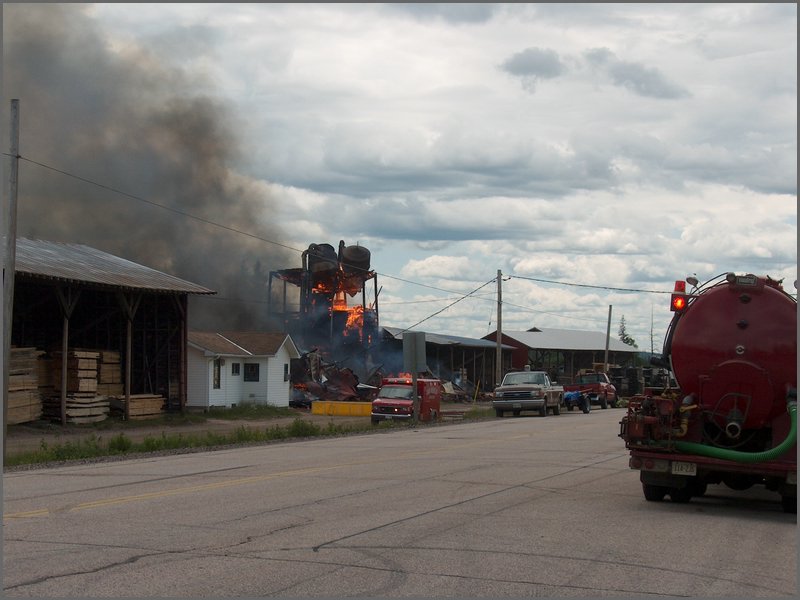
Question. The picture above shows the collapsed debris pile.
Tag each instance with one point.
(314, 379)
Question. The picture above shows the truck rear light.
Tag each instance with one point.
(648, 464)
(655, 464)
(678, 303)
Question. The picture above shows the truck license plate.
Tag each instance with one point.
(683, 468)
(517, 405)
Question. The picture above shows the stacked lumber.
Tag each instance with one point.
(109, 374)
(45, 368)
(83, 403)
(24, 400)
(81, 407)
(143, 406)
(81, 371)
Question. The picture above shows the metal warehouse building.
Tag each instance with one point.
(71, 296)
(448, 355)
(562, 352)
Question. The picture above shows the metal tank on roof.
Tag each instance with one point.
(326, 280)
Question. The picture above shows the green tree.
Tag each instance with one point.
(623, 334)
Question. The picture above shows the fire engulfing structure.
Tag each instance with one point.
(342, 331)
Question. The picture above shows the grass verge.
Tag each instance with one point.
(479, 412)
(95, 446)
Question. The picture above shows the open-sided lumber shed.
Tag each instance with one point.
(71, 296)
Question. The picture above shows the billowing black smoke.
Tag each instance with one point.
(125, 118)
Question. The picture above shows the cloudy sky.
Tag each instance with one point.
(593, 153)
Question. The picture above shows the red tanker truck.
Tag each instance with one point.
(732, 348)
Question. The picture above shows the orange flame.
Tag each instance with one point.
(339, 301)
(355, 320)
(322, 287)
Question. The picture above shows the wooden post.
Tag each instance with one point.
(182, 308)
(608, 337)
(64, 363)
(499, 362)
(377, 291)
(128, 352)
(67, 302)
(129, 307)
(9, 262)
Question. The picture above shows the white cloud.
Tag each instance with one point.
(660, 141)
(439, 267)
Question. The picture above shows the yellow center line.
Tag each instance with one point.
(197, 488)
(165, 493)
(44, 512)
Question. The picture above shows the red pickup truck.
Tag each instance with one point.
(596, 386)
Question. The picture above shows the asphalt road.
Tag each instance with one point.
(513, 507)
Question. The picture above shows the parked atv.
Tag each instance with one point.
(577, 400)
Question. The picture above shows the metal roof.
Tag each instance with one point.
(82, 264)
(242, 343)
(448, 340)
(567, 339)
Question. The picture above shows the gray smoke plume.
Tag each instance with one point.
(124, 118)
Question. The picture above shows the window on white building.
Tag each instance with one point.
(251, 371)
(217, 369)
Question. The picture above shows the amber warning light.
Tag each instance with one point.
(678, 301)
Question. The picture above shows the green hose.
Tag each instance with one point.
(746, 457)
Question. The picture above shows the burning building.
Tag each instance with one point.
(328, 316)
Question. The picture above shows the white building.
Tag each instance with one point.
(226, 369)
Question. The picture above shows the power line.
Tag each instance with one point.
(586, 285)
(477, 297)
(269, 241)
(451, 304)
(233, 229)
(156, 204)
(201, 219)
(554, 314)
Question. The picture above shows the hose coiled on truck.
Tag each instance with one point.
(746, 457)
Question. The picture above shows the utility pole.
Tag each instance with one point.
(9, 261)
(498, 376)
(608, 338)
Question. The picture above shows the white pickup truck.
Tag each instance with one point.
(527, 390)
